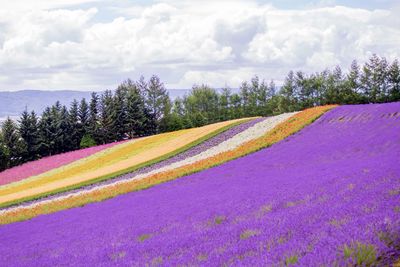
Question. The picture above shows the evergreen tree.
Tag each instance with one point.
(94, 123)
(13, 142)
(288, 101)
(107, 121)
(64, 142)
(4, 154)
(28, 129)
(83, 115)
(46, 133)
(374, 79)
(245, 98)
(353, 84)
(236, 109)
(75, 133)
(224, 104)
(135, 111)
(394, 81)
(156, 99)
(119, 109)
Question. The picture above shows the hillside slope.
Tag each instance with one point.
(110, 162)
(328, 195)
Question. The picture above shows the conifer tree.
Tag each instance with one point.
(83, 115)
(75, 133)
(156, 98)
(13, 142)
(94, 123)
(28, 129)
(4, 154)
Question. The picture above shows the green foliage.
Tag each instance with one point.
(143, 237)
(360, 254)
(87, 141)
(4, 155)
(291, 260)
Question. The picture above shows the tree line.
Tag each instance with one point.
(140, 108)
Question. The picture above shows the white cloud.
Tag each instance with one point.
(216, 43)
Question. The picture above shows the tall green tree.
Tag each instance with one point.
(4, 154)
(107, 120)
(83, 115)
(135, 111)
(29, 131)
(156, 99)
(13, 142)
(94, 121)
(394, 81)
(46, 133)
(119, 109)
(75, 136)
(374, 79)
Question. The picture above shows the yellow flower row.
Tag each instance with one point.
(280, 132)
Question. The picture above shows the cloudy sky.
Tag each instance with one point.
(94, 45)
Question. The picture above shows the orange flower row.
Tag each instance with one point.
(280, 132)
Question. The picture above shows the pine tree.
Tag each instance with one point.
(224, 104)
(156, 97)
(394, 81)
(75, 133)
(28, 129)
(13, 142)
(4, 154)
(374, 79)
(107, 121)
(94, 123)
(65, 131)
(135, 112)
(245, 98)
(83, 115)
(119, 109)
(46, 133)
(289, 101)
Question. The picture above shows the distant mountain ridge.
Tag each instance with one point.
(13, 103)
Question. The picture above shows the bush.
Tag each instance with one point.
(87, 141)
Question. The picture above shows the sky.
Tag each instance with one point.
(95, 45)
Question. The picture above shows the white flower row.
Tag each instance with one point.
(251, 133)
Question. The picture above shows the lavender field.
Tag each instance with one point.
(326, 196)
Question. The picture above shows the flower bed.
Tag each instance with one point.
(281, 131)
(109, 163)
(48, 163)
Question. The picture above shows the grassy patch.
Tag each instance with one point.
(360, 254)
(290, 260)
(246, 234)
(143, 237)
(219, 219)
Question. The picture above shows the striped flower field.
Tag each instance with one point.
(108, 163)
(317, 188)
(37, 167)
